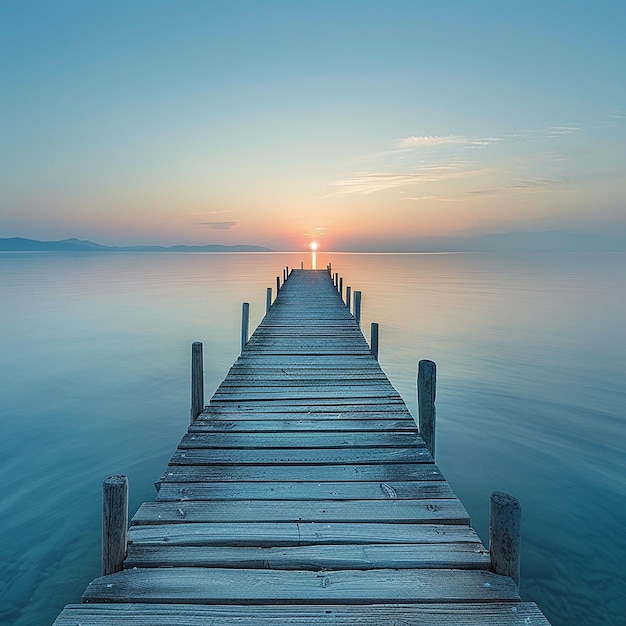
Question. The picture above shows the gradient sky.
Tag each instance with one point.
(361, 124)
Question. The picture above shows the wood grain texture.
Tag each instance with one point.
(332, 424)
(391, 614)
(300, 456)
(342, 441)
(297, 534)
(216, 585)
(315, 558)
(349, 490)
(359, 511)
(304, 473)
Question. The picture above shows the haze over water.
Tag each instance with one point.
(531, 352)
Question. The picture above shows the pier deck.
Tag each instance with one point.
(303, 494)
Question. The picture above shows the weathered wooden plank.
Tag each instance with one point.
(392, 614)
(339, 369)
(290, 396)
(344, 441)
(304, 473)
(424, 511)
(303, 426)
(214, 413)
(307, 407)
(329, 361)
(339, 337)
(428, 489)
(307, 349)
(305, 456)
(286, 397)
(264, 534)
(328, 391)
(216, 585)
(304, 378)
(314, 558)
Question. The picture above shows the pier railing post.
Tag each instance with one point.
(357, 307)
(245, 324)
(197, 381)
(505, 521)
(268, 300)
(340, 287)
(114, 523)
(349, 298)
(374, 340)
(277, 284)
(426, 391)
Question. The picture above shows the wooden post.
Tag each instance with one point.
(277, 284)
(197, 381)
(287, 272)
(245, 324)
(348, 297)
(268, 300)
(336, 280)
(284, 276)
(330, 269)
(114, 523)
(301, 265)
(374, 340)
(341, 287)
(357, 307)
(505, 522)
(426, 390)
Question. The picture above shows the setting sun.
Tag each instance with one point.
(313, 246)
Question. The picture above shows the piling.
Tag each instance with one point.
(197, 381)
(268, 300)
(114, 523)
(374, 340)
(357, 307)
(505, 521)
(426, 389)
(245, 324)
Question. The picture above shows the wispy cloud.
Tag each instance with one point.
(205, 213)
(417, 141)
(318, 231)
(557, 131)
(370, 182)
(433, 198)
(427, 141)
(521, 185)
(440, 158)
(219, 225)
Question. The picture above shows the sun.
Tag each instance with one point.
(313, 246)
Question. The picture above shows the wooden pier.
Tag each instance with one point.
(303, 494)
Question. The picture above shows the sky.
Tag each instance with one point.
(362, 125)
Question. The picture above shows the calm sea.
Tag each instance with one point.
(531, 398)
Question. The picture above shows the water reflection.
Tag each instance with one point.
(530, 397)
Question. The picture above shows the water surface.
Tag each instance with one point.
(531, 356)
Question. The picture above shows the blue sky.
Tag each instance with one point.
(361, 124)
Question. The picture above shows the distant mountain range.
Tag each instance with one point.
(19, 244)
(546, 241)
